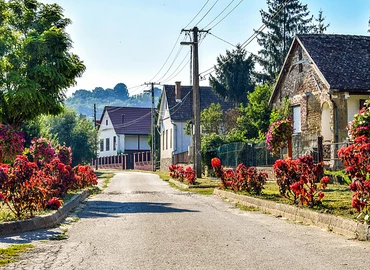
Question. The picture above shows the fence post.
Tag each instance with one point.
(320, 149)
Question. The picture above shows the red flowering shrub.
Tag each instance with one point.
(190, 175)
(297, 180)
(41, 151)
(177, 172)
(84, 177)
(53, 203)
(21, 187)
(356, 158)
(64, 154)
(11, 143)
(243, 178)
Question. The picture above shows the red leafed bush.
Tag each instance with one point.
(21, 187)
(53, 203)
(190, 175)
(356, 158)
(298, 180)
(243, 178)
(85, 177)
(177, 172)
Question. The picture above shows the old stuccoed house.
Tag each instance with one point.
(327, 80)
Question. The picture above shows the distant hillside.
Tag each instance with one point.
(83, 100)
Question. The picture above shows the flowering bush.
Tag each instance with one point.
(360, 124)
(85, 177)
(11, 143)
(278, 134)
(178, 172)
(297, 180)
(64, 154)
(356, 158)
(41, 150)
(243, 178)
(21, 187)
(53, 204)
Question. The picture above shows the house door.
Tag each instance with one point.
(130, 161)
(325, 122)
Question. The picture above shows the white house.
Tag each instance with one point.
(175, 110)
(124, 130)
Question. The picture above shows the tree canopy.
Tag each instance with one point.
(283, 20)
(36, 66)
(234, 75)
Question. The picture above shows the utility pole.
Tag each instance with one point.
(154, 159)
(96, 146)
(196, 99)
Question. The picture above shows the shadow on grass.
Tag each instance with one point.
(96, 209)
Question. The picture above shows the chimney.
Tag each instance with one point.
(178, 91)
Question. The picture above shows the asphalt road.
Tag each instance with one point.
(140, 222)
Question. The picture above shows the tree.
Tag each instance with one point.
(320, 27)
(234, 75)
(36, 66)
(255, 117)
(121, 91)
(283, 20)
(211, 119)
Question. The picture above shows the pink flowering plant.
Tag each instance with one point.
(360, 124)
(11, 143)
(41, 150)
(278, 134)
(64, 154)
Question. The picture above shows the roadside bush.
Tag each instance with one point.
(64, 154)
(84, 177)
(356, 158)
(242, 179)
(278, 134)
(11, 143)
(41, 150)
(298, 180)
(177, 172)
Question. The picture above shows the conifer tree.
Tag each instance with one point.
(320, 27)
(283, 19)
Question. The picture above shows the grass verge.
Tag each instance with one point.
(11, 253)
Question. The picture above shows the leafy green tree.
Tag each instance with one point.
(255, 117)
(320, 27)
(281, 112)
(36, 66)
(121, 91)
(234, 75)
(211, 119)
(283, 20)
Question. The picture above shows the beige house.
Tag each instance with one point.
(327, 80)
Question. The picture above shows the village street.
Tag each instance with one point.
(140, 222)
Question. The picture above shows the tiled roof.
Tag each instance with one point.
(344, 60)
(136, 121)
(183, 111)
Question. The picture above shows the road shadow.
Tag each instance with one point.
(96, 209)
(29, 237)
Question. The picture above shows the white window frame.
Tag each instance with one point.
(297, 119)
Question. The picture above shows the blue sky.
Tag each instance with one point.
(128, 41)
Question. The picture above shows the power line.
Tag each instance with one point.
(197, 14)
(248, 41)
(227, 14)
(218, 14)
(207, 12)
(222, 39)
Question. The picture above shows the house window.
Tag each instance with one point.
(297, 119)
(163, 140)
(106, 122)
(114, 143)
(101, 145)
(166, 139)
(300, 57)
(107, 144)
(171, 138)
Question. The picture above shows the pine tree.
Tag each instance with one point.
(283, 20)
(320, 27)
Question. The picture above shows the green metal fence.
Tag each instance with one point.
(250, 154)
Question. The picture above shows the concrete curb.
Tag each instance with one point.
(332, 223)
(45, 221)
